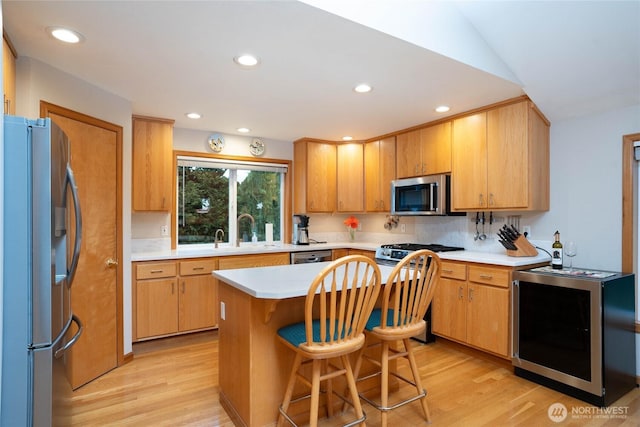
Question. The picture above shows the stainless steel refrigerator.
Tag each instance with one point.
(42, 228)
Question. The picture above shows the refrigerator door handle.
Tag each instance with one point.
(73, 340)
(71, 182)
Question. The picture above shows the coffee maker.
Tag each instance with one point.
(300, 230)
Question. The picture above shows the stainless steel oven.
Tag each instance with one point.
(574, 332)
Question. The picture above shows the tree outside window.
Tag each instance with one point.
(211, 196)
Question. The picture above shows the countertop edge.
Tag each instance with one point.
(490, 258)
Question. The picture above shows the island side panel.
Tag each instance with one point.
(271, 360)
(234, 354)
(254, 365)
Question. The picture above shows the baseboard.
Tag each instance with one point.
(127, 358)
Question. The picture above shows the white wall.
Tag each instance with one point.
(36, 81)
(586, 186)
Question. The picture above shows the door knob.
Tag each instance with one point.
(111, 262)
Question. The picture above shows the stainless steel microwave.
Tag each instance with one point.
(424, 195)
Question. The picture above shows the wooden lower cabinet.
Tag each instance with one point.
(174, 297)
(471, 306)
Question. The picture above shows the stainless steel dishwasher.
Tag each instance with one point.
(310, 256)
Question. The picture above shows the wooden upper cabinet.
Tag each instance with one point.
(408, 154)
(152, 164)
(314, 174)
(9, 78)
(380, 170)
(469, 163)
(350, 177)
(424, 151)
(500, 160)
(436, 148)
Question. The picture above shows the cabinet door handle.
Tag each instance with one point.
(183, 287)
(470, 294)
(460, 292)
(381, 204)
(481, 199)
(491, 202)
(173, 288)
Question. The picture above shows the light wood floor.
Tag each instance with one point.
(174, 382)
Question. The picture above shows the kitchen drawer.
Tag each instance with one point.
(490, 276)
(250, 261)
(197, 267)
(454, 270)
(155, 270)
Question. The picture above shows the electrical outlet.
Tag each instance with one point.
(360, 226)
(223, 312)
(164, 230)
(403, 228)
(527, 229)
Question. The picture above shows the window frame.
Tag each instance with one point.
(286, 196)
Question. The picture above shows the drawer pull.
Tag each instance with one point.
(447, 271)
(156, 271)
(486, 276)
(197, 268)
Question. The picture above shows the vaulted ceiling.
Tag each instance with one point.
(173, 57)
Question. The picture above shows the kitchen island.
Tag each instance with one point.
(255, 303)
(254, 366)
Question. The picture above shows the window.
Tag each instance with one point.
(213, 193)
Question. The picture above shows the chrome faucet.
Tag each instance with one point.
(216, 239)
(253, 226)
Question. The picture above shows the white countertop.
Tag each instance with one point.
(495, 258)
(203, 251)
(279, 281)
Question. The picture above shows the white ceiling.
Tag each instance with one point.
(172, 57)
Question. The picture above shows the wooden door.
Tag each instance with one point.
(350, 177)
(96, 294)
(450, 309)
(321, 177)
(469, 163)
(152, 162)
(197, 302)
(408, 155)
(507, 157)
(156, 307)
(488, 318)
(436, 148)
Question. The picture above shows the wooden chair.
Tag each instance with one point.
(406, 297)
(338, 305)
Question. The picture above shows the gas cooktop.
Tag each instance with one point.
(392, 253)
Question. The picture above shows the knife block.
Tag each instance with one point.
(524, 248)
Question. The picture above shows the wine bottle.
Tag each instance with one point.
(556, 247)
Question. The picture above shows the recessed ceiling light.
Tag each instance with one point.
(243, 130)
(442, 109)
(246, 60)
(347, 138)
(193, 115)
(363, 88)
(65, 35)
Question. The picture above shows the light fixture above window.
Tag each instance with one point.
(246, 60)
(194, 115)
(65, 35)
(442, 109)
(363, 88)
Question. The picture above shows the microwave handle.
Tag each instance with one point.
(431, 196)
